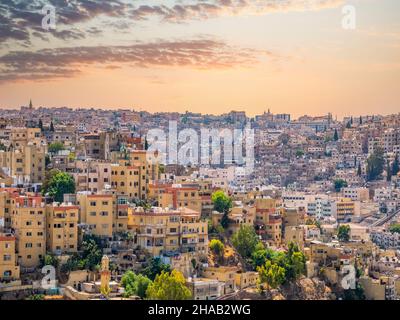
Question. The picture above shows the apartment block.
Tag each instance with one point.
(96, 213)
(62, 228)
(161, 230)
(28, 222)
(9, 270)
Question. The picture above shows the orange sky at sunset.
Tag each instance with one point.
(290, 59)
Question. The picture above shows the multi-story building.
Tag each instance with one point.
(25, 165)
(9, 269)
(178, 196)
(28, 223)
(62, 228)
(161, 230)
(346, 209)
(96, 213)
(356, 194)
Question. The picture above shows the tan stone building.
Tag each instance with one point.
(9, 270)
(62, 228)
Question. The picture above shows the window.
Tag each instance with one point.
(7, 257)
(92, 203)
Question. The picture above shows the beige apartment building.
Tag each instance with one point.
(96, 213)
(9, 270)
(25, 164)
(28, 221)
(162, 230)
(62, 228)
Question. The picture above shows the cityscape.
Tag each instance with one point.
(317, 218)
(228, 151)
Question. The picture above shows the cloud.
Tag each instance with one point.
(68, 62)
(21, 19)
(206, 9)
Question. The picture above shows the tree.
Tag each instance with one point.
(336, 135)
(260, 255)
(168, 286)
(395, 228)
(59, 183)
(41, 125)
(339, 184)
(245, 241)
(284, 139)
(155, 267)
(272, 274)
(359, 171)
(344, 233)
(395, 166)
(146, 144)
(51, 126)
(295, 262)
(56, 146)
(299, 153)
(135, 285)
(91, 254)
(388, 171)
(375, 164)
(361, 121)
(222, 203)
(50, 260)
(217, 247)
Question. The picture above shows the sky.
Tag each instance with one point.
(208, 56)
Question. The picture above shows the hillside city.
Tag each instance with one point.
(85, 214)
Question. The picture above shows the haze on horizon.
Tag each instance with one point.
(209, 56)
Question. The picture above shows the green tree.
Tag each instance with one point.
(336, 135)
(344, 233)
(272, 274)
(294, 262)
(375, 164)
(395, 228)
(359, 171)
(168, 286)
(217, 247)
(58, 184)
(260, 255)
(388, 171)
(51, 126)
(395, 166)
(339, 184)
(245, 241)
(135, 285)
(50, 260)
(222, 203)
(91, 254)
(155, 267)
(56, 146)
(41, 125)
(299, 153)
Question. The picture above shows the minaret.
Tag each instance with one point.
(30, 104)
(105, 275)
